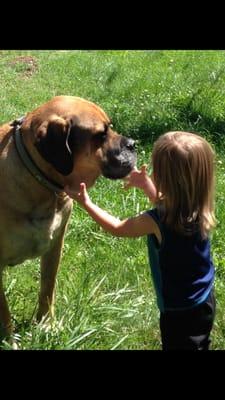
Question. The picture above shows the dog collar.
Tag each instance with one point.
(29, 162)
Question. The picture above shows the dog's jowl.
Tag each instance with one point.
(65, 141)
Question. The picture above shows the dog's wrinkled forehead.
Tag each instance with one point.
(79, 112)
(90, 121)
(84, 113)
(89, 116)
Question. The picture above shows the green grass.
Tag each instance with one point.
(105, 297)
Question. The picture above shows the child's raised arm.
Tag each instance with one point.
(137, 226)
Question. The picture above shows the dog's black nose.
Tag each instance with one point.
(130, 144)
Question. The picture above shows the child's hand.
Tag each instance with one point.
(81, 197)
(137, 178)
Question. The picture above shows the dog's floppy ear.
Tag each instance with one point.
(52, 144)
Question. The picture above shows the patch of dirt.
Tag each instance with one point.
(25, 65)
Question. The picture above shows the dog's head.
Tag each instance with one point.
(75, 137)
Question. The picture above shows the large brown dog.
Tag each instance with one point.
(63, 142)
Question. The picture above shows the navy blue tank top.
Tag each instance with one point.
(181, 267)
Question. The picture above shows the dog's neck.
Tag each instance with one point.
(28, 160)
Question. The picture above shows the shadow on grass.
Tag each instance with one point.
(198, 121)
(187, 119)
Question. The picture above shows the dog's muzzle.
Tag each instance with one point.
(120, 160)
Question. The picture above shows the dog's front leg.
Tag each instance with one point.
(5, 319)
(49, 267)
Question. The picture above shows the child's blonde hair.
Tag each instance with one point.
(183, 171)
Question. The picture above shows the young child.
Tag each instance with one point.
(182, 189)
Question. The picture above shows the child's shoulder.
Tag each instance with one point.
(154, 213)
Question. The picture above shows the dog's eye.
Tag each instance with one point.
(101, 136)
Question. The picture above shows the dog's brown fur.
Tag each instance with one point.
(71, 141)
